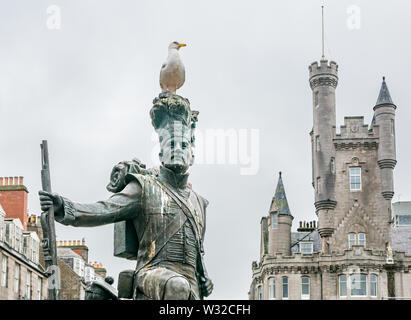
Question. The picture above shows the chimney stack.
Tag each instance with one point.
(13, 199)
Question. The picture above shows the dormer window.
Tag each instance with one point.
(306, 248)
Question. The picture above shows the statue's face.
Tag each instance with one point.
(176, 150)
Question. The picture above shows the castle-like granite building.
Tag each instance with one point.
(353, 251)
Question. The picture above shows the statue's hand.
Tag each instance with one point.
(47, 200)
(206, 287)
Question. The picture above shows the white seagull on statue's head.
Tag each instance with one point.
(172, 74)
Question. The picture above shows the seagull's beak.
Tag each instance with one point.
(182, 45)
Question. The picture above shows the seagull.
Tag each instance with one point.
(172, 74)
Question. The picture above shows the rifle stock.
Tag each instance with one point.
(49, 231)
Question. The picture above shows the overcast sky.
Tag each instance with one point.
(88, 87)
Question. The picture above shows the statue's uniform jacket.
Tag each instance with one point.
(151, 209)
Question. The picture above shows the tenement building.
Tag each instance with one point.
(76, 270)
(22, 268)
(21, 274)
(353, 250)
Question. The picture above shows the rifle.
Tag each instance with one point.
(49, 231)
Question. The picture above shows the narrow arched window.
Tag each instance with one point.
(373, 285)
(271, 288)
(285, 287)
(342, 285)
(274, 220)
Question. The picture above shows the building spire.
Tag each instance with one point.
(384, 97)
(279, 202)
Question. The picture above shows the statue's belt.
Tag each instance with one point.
(171, 229)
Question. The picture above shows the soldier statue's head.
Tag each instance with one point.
(174, 123)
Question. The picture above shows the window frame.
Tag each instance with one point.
(352, 175)
(284, 284)
(305, 243)
(365, 282)
(317, 98)
(271, 288)
(39, 287)
(305, 296)
(4, 269)
(375, 283)
(28, 285)
(17, 277)
(349, 240)
(340, 286)
(364, 240)
(274, 220)
(260, 292)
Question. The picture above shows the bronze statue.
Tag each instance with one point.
(159, 220)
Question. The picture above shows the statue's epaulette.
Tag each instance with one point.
(118, 177)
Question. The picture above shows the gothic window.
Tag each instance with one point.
(361, 239)
(306, 248)
(274, 220)
(305, 287)
(332, 165)
(317, 143)
(285, 287)
(355, 179)
(271, 288)
(351, 239)
(373, 285)
(316, 99)
(358, 284)
(16, 278)
(342, 284)
(318, 185)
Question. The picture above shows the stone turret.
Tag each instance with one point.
(323, 82)
(384, 113)
(279, 222)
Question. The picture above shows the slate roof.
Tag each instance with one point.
(313, 236)
(279, 203)
(384, 97)
(401, 239)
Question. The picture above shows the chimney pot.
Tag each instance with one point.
(11, 181)
(1, 181)
(301, 224)
(21, 180)
(6, 181)
(16, 181)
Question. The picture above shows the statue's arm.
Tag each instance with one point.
(123, 205)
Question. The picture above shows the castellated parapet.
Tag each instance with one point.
(323, 74)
